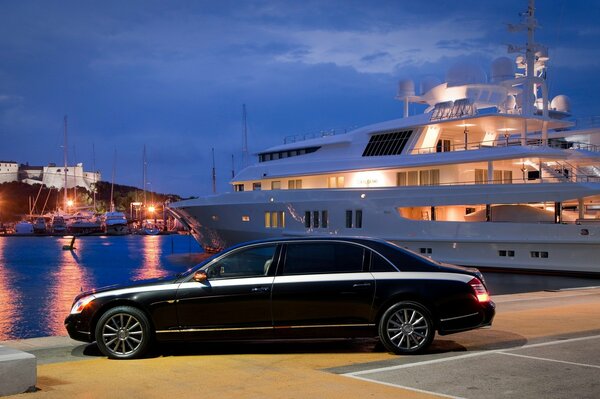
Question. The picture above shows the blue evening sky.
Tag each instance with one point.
(173, 75)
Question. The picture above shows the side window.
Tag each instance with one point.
(379, 264)
(250, 262)
(322, 257)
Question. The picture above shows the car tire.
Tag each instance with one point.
(406, 328)
(123, 332)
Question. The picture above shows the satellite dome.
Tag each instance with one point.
(503, 68)
(561, 103)
(465, 72)
(428, 83)
(511, 102)
(406, 88)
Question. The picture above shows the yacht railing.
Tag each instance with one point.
(315, 135)
(510, 142)
(588, 122)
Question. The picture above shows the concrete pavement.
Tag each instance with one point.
(539, 343)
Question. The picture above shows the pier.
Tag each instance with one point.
(542, 344)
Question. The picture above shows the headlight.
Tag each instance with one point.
(81, 304)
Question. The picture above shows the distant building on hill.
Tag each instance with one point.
(51, 175)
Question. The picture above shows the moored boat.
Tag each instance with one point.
(115, 223)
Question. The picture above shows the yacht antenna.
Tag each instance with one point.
(244, 137)
(232, 166)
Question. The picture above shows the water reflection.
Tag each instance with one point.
(10, 298)
(68, 280)
(151, 252)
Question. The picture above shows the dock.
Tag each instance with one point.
(542, 344)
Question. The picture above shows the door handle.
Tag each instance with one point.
(260, 289)
(361, 285)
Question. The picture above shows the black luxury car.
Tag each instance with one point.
(287, 289)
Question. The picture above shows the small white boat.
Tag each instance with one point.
(24, 227)
(39, 226)
(59, 226)
(115, 223)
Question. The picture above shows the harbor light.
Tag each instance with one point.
(151, 209)
(70, 203)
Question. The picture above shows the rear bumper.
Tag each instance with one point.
(481, 318)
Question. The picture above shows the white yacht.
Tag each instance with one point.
(493, 174)
(115, 223)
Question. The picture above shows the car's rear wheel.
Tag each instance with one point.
(123, 332)
(406, 327)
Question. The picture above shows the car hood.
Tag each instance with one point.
(133, 284)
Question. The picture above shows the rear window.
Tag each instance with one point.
(326, 257)
(404, 259)
(379, 264)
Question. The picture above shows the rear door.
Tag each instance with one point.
(322, 289)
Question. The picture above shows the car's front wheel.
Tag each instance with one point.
(123, 332)
(406, 327)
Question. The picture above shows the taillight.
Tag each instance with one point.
(480, 291)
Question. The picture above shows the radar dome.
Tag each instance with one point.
(428, 83)
(511, 102)
(503, 68)
(465, 72)
(406, 88)
(561, 103)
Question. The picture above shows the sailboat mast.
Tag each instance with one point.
(112, 186)
(214, 173)
(65, 168)
(244, 137)
(144, 171)
(95, 175)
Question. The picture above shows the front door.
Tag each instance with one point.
(235, 301)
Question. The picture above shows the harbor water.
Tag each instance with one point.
(38, 279)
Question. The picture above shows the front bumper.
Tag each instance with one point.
(78, 329)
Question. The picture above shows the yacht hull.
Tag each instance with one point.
(224, 220)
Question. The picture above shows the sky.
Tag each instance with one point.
(173, 75)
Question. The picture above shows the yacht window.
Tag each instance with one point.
(307, 219)
(268, 220)
(413, 178)
(336, 182)
(401, 179)
(256, 186)
(324, 219)
(294, 184)
(276, 185)
(480, 176)
(497, 176)
(316, 219)
(358, 221)
(348, 219)
(507, 177)
(387, 143)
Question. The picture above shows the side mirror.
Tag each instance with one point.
(200, 276)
